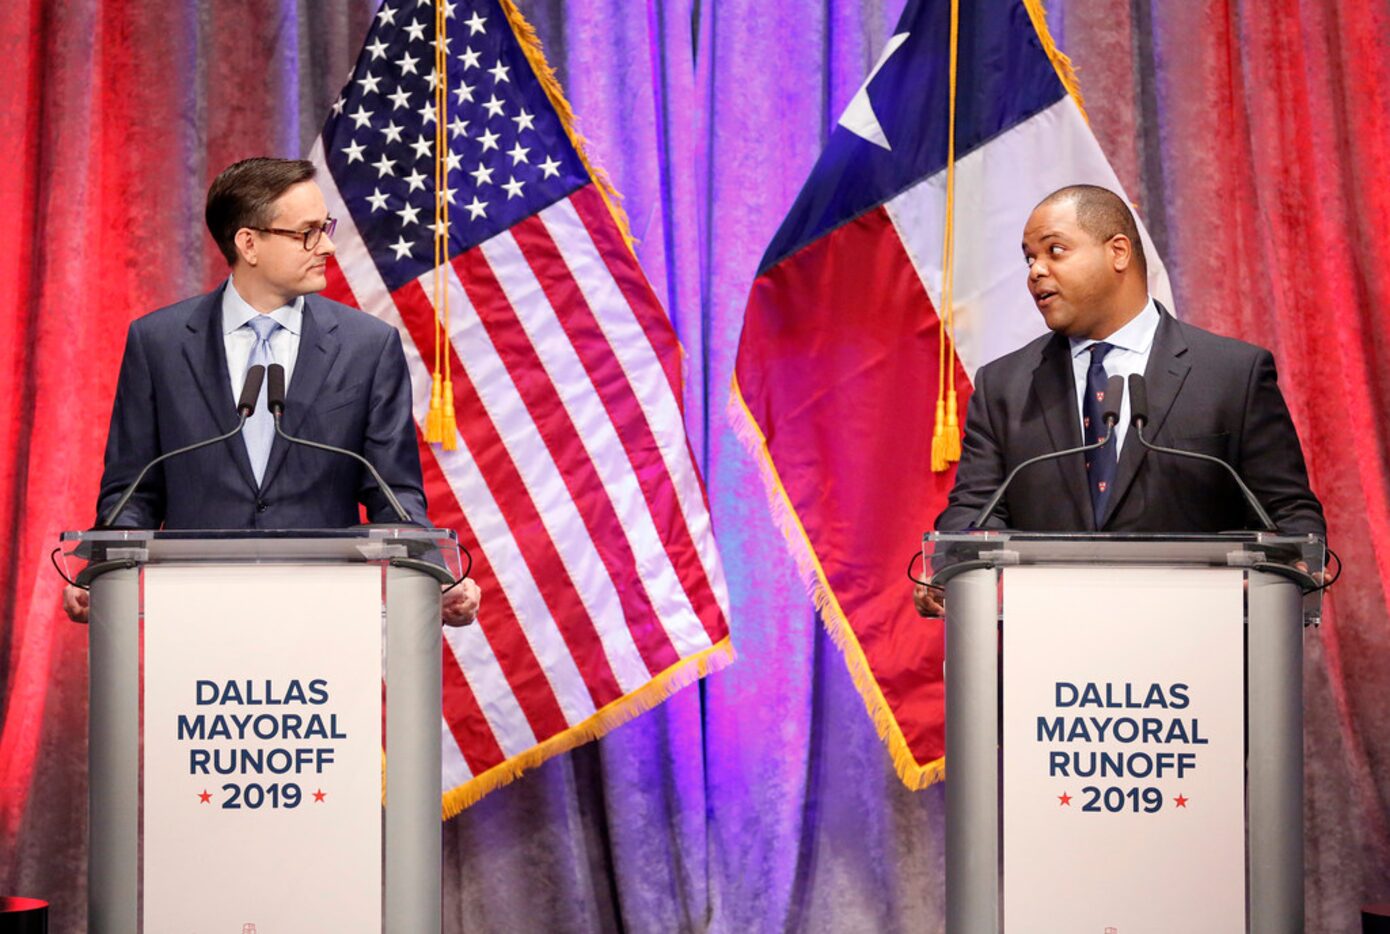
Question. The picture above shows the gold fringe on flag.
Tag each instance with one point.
(530, 43)
(683, 673)
(915, 775)
(1060, 62)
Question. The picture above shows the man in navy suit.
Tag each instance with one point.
(1087, 275)
(346, 379)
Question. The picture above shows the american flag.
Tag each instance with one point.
(573, 482)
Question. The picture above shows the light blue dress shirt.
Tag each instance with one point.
(1132, 344)
(239, 341)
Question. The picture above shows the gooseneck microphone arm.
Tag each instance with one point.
(1110, 414)
(275, 402)
(1139, 417)
(246, 405)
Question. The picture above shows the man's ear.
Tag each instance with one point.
(1121, 252)
(246, 246)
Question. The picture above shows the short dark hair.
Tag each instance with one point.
(244, 194)
(1102, 214)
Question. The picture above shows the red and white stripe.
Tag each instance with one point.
(573, 482)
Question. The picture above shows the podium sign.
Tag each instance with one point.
(262, 732)
(1124, 749)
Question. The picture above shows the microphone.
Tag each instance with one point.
(275, 403)
(1139, 417)
(250, 391)
(246, 404)
(1110, 404)
(1110, 415)
(275, 392)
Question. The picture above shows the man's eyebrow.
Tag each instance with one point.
(1049, 235)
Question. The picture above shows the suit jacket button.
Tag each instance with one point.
(261, 506)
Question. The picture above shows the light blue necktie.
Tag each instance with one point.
(260, 427)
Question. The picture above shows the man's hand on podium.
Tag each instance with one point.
(929, 601)
(75, 603)
(461, 604)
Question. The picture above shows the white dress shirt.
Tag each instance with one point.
(1131, 344)
(239, 341)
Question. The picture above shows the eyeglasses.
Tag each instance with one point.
(310, 235)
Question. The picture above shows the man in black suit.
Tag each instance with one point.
(1087, 275)
(346, 375)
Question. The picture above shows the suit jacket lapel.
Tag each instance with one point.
(1055, 387)
(206, 355)
(318, 348)
(1163, 376)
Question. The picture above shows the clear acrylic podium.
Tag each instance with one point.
(413, 563)
(1280, 599)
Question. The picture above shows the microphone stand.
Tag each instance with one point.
(983, 515)
(1139, 418)
(250, 389)
(275, 402)
(277, 411)
(1250, 497)
(1114, 394)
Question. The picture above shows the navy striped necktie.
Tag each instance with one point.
(1100, 464)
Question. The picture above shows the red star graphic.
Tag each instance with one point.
(1065, 799)
(319, 795)
(1180, 801)
(205, 796)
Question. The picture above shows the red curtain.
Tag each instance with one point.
(115, 117)
(1254, 135)
(1261, 151)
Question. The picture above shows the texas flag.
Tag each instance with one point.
(836, 382)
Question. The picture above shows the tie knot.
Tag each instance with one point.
(264, 326)
(1098, 351)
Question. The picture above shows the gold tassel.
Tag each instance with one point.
(945, 438)
(449, 423)
(938, 439)
(950, 440)
(440, 425)
(434, 431)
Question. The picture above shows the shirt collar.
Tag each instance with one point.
(236, 311)
(1137, 335)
